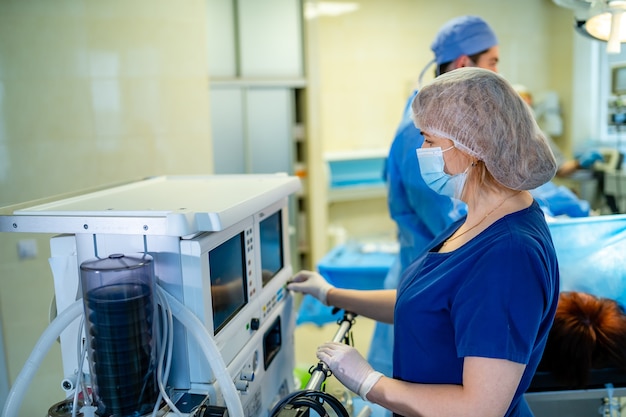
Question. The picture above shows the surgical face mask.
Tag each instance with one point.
(432, 170)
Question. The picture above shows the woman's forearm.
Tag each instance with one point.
(374, 304)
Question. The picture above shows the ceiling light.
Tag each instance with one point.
(606, 24)
(315, 9)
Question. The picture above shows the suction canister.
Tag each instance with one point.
(119, 301)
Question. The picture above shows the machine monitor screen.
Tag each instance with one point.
(271, 232)
(228, 283)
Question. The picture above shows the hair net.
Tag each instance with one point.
(479, 110)
(465, 35)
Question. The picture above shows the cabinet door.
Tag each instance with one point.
(269, 122)
(227, 130)
(221, 38)
(270, 38)
(252, 129)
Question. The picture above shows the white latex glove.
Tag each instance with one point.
(350, 368)
(312, 283)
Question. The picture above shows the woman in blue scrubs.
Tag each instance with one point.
(419, 213)
(471, 314)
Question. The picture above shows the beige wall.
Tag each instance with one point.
(366, 62)
(369, 60)
(91, 92)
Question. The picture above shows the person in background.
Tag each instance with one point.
(558, 200)
(472, 313)
(420, 213)
(566, 167)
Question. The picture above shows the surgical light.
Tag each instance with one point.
(607, 26)
(604, 22)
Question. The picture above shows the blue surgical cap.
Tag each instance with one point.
(465, 35)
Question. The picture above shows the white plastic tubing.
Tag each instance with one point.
(67, 316)
(46, 340)
(211, 352)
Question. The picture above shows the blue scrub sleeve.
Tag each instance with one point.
(499, 310)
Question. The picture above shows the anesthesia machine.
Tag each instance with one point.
(170, 298)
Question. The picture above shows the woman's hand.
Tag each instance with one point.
(349, 367)
(311, 283)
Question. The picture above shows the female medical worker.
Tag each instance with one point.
(472, 314)
(420, 213)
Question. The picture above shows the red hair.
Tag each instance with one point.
(588, 333)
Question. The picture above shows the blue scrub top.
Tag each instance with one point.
(494, 297)
(420, 213)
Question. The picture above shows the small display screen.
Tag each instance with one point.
(619, 80)
(228, 280)
(271, 230)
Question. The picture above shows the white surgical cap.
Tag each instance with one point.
(479, 111)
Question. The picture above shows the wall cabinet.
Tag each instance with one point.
(252, 129)
(270, 38)
(256, 88)
(255, 39)
(258, 130)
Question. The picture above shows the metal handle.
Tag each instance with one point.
(319, 375)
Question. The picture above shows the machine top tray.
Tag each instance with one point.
(164, 205)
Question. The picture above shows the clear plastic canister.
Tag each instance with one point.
(119, 302)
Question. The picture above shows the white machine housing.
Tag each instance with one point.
(194, 227)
